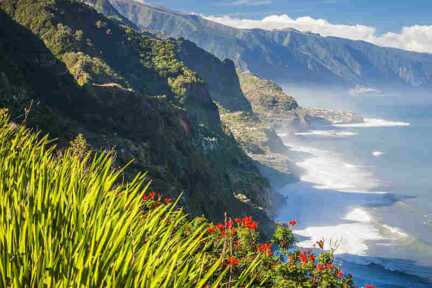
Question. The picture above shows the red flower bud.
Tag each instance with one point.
(303, 257)
(229, 224)
(232, 261)
(265, 248)
(312, 258)
(152, 195)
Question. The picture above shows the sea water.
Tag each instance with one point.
(366, 189)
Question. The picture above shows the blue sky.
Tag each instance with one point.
(384, 15)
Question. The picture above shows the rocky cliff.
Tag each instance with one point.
(67, 69)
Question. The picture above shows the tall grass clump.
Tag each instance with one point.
(69, 221)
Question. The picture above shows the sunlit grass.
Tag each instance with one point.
(69, 220)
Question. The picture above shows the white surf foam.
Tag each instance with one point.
(351, 228)
(377, 153)
(344, 238)
(327, 133)
(351, 238)
(328, 170)
(358, 215)
(374, 122)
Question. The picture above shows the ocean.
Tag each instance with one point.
(366, 189)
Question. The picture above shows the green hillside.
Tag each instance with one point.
(75, 71)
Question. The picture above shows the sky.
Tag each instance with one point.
(405, 24)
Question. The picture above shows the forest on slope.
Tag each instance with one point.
(66, 69)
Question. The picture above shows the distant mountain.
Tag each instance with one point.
(289, 55)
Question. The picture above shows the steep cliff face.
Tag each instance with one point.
(265, 95)
(272, 104)
(289, 56)
(221, 76)
(129, 92)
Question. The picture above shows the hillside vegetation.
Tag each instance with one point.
(67, 69)
(70, 220)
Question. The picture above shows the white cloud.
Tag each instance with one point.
(247, 3)
(415, 38)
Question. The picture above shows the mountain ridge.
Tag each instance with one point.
(289, 56)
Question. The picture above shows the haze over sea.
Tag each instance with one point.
(367, 188)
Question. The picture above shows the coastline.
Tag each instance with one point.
(337, 204)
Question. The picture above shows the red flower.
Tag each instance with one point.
(237, 220)
(229, 224)
(211, 230)
(320, 267)
(245, 220)
(312, 258)
(292, 222)
(340, 275)
(369, 286)
(152, 195)
(159, 196)
(265, 248)
(221, 227)
(303, 257)
(168, 200)
(252, 226)
(232, 261)
(248, 222)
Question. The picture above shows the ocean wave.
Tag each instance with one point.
(351, 238)
(328, 170)
(358, 215)
(347, 238)
(406, 272)
(327, 133)
(374, 122)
